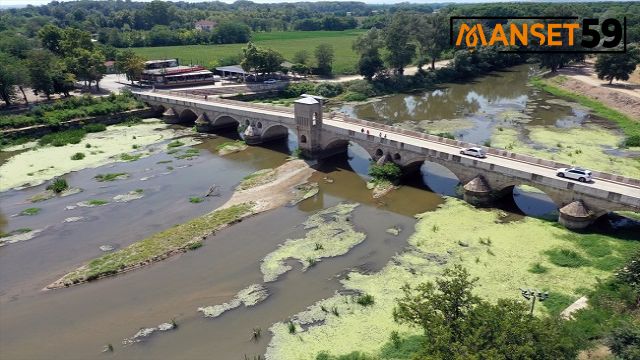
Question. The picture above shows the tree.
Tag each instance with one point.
(301, 57)
(51, 36)
(624, 341)
(400, 50)
(630, 275)
(368, 46)
(231, 33)
(129, 63)
(324, 58)
(40, 63)
(8, 80)
(459, 325)
(260, 60)
(87, 65)
(21, 73)
(616, 66)
(431, 34)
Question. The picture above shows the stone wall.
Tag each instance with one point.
(40, 130)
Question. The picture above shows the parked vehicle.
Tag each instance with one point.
(474, 151)
(575, 173)
(270, 81)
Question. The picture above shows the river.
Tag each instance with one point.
(78, 322)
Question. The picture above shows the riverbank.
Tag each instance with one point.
(189, 235)
(564, 87)
(556, 260)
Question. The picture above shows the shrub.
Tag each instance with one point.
(58, 185)
(30, 211)
(62, 138)
(388, 171)
(361, 87)
(566, 258)
(365, 300)
(328, 89)
(297, 89)
(92, 128)
(77, 156)
(353, 96)
(538, 268)
(195, 200)
(175, 143)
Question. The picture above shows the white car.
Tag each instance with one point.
(475, 152)
(579, 174)
(270, 81)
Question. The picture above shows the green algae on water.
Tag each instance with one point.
(249, 296)
(517, 247)
(584, 146)
(257, 178)
(331, 228)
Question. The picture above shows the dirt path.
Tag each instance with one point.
(621, 95)
(412, 70)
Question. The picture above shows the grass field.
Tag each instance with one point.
(285, 42)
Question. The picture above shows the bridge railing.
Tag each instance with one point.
(275, 108)
(493, 151)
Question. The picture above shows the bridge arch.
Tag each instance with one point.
(530, 200)
(225, 122)
(274, 132)
(437, 177)
(187, 116)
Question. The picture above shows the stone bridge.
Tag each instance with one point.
(483, 179)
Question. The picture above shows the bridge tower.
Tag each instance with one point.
(308, 115)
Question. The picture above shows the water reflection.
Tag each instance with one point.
(471, 111)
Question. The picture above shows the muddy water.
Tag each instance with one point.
(76, 323)
(472, 111)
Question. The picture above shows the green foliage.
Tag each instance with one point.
(567, 258)
(72, 108)
(365, 300)
(110, 176)
(297, 89)
(292, 327)
(62, 138)
(460, 325)
(97, 202)
(329, 90)
(538, 268)
(97, 127)
(58, 185)
(175, 143)
(325, 55)
(624, 341)
(30, 211)
(195, 245)
(616, 66)
(388, 172)
(77, 156)
(195, 200)
(260, 60)
(130, 157)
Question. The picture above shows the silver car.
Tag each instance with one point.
(575, 173)
(475, 152)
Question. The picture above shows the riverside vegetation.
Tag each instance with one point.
(566, 264)
(156, 247)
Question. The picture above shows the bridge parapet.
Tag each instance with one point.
(492, 151)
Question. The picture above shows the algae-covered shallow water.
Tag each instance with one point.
(503, 110)
(329, 252)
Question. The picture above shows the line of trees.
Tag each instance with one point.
(262, 61)
(55, 60)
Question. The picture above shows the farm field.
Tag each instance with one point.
(285, 42)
